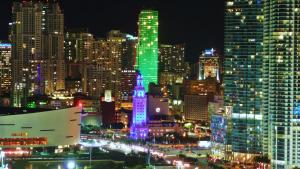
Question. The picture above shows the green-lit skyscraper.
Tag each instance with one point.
(147, 52)
(281, 87)
(243, 76)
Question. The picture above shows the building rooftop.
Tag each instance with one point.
(5, 111)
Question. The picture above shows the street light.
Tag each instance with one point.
(71, 165)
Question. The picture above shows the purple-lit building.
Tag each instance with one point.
(139, 128)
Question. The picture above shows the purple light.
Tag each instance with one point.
(138, 128)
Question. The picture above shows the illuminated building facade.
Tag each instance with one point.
(138, 128)
(281, 90)
(147, 55)
(36, 32)
(53, 48)
(157, 105)
(5, 68)
(160, 127)
(127, 84)
(196, 107)
(209, 65)
(209, 85)
(108, 109)
(172, 67)
(128, 73)
(243, 76)
(23, 127)
(26, 35)
(220, 147)
(129, 54)
(79, 56)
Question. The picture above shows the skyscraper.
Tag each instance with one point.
(281, 89)
(243, 76)
(112, 73)
(26, 37)
(138, 128)
(37, 49)
(209, 65)
(53, 47)
(172, 67)
(79, 56)
(171, 58)
(5, 68)
(147, 55)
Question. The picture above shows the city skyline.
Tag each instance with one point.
(149, 80)
(190, 26)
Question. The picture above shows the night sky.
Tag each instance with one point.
(197, 23)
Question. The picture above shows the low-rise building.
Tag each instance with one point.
(24, 127)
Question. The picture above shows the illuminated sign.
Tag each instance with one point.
(130, 37)
(5, 45)
(107, 96)
(157, 110)
(204, 144)
(21, 134)
(209, 51)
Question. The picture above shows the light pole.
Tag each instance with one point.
(2, 157)
(3, 166)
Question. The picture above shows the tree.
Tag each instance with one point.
(262, 159)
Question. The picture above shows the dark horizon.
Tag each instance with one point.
(198, 25)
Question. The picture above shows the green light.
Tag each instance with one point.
(31, 105)
(147, 55)
(43, 103)
(188, 125)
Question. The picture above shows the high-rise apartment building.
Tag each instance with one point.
(80, 61)
(243, 75)
(147, 55)
(112, 73)
(281, 89)
(5, 68)
(37, 49)
(53, 47)
(26, 37)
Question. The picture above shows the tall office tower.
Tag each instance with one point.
(209, 65)
(127, 84)
(138, 128)
(53, 44)
(171, 58)
(172, 67)
(128, 73)
(5, 68)
(37, 49)
(147, 55)
(281, 90)
(243, 75)
(129, 54)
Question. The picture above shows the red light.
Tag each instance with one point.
(80, 104)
